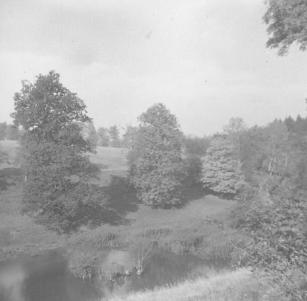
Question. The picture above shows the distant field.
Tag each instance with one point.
(111, 161)
(112, 158)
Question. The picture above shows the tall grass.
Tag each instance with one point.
(228, 286)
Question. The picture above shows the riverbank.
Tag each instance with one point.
(19, 234)
(236, 285)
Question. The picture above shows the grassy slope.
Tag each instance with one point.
(18, 233)
(112, 162)
(232, 286)
(196, 210)
(239, 285)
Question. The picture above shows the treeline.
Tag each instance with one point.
(9, 131)
(265, 168)
(111, 137)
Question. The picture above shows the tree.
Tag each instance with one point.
(287, 24)
(103, 136)
(89, 133)
(54, 151)
(234, 130)
(274, 214)
(235, 126)
(194, 149)
(12, 132)
(221, 171)
(276, 148)
(114, 136)
(3, 127)
(129, 136)
(156, 165)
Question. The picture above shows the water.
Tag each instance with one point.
(46, 277)
(42, 278)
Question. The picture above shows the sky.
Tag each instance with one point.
(206, 60)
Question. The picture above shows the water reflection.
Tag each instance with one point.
(46, 278)
(11, 283)
(43, 277)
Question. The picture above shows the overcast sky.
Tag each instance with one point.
(204, 59)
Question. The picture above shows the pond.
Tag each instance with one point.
(46, 277)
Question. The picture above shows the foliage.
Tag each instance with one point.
(103, 136)
(9, 131)
(12, 132)
(235, 126)
(156, 164)
(221, 171)
(88, 247)
(114, 136)
(54, 160)
(274, 211)
(287, 24)
(89, 134)
(3, 177)
(196, 146)
(3, 127)
(194, 149)
(129, 136)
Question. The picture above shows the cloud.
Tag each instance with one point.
(206, 59)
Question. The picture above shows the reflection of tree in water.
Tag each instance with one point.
(11, 284)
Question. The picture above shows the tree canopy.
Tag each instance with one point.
(54, 151)
(221, 170)
(156, 158)
(287, 24)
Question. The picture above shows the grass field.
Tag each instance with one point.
(18, 233)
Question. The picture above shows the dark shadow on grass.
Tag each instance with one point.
(118, 199)
(193, 192)
(97, 216)
(121, 196)
(225, 196)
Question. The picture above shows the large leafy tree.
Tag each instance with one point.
(221, 170)
(287, 24)
(54, 151)
(156, 158)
